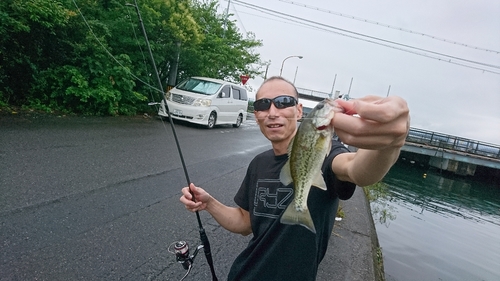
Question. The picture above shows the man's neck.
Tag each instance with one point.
(281, 147)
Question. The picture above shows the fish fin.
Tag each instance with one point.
(294, 217)
(285, 174)
(319, 181)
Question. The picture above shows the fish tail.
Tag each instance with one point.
(292, 216)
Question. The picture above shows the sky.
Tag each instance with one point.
(442, 57)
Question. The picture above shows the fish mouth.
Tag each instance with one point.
(325, 121)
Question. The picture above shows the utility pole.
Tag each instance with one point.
(172, 75)
(334, 79)
(349, 92)
(267, 68)
(225, 19)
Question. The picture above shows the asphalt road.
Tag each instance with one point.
(98, 198)
(88, 198)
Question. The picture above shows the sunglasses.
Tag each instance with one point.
(279, 102)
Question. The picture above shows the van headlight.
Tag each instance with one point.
(202, 102)
(167, 95)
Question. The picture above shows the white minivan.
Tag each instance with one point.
(207, 101)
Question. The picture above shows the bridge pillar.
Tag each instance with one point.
(457, 167)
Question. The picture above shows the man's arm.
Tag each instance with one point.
(364, 167)
(378, 131)
(234, 219)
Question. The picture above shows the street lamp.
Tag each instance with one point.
(282, 63)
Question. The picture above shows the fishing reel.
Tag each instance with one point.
(181, 252)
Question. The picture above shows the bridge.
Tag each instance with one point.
(451, 153)
(314, 95)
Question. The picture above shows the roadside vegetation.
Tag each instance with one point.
(382, 213)
(90, 57)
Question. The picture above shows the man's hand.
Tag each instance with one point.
(380, 122)
(234, 219)
(200, 195)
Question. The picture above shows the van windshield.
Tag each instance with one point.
(199, 86)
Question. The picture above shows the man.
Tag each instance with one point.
(291, 252)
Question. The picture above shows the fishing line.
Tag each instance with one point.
(143, 58)
(203, 237)
(109, 53)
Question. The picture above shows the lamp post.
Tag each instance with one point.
(267, 68)
(282, 63)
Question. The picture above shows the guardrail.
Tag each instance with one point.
(455, 143)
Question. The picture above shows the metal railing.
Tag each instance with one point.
(454, 143)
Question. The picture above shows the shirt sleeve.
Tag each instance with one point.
(241, 196)
(337, 188)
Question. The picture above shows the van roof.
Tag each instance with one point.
(214, 80)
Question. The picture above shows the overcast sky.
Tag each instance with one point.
(438, 38)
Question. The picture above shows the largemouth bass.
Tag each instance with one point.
(306, 154)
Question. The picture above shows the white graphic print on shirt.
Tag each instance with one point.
(271, 198)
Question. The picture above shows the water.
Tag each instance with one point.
(434, 227)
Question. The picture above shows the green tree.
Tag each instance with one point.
(28, 42)
(95, 79)
(224, 53)
(93, 58)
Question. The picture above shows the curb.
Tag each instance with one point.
(353, 252)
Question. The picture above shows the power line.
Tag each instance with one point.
(241, 22)
(389, 26)
(374, 42)
(360, 34)
(354, 34)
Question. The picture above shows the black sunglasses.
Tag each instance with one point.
(279, 101)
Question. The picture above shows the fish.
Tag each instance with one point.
(306, 154)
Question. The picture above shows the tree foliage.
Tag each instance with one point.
(91, 56)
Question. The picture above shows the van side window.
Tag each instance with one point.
(239, 94)
(243, 95)
(225, 92)
(236, 93)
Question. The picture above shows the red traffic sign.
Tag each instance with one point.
(244, 79)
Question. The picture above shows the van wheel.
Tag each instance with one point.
(238, 121)
(211, 120)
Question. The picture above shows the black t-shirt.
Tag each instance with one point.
(278, 251)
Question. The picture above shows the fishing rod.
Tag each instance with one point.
(181, 248)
